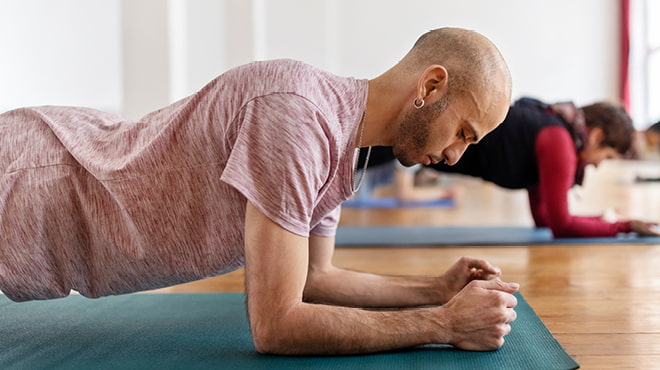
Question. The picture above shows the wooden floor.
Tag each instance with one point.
(601, 302)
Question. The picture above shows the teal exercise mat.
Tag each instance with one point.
(364, 236)
(388, 202)
(210, 331)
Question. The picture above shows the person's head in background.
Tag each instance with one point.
(652, 135)
(610, 132)
(453, 86)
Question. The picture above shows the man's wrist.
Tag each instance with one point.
(439, 291)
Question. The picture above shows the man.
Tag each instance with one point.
(251, 171)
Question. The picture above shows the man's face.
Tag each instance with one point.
(443, 130)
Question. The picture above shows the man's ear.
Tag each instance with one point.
(433, 82)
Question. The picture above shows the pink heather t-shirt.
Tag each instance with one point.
(92, 202)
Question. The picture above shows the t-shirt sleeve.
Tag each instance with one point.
(557, 163)
(328, 225)
(281, 158)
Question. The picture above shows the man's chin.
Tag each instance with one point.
(403, 158)
(407, 163)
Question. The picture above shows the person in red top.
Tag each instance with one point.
(544, 148)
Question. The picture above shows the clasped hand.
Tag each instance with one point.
(479, 307)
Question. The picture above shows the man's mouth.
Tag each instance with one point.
(434, 160)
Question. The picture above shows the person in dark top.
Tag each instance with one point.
(544, 148)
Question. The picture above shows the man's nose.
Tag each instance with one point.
(455, 152)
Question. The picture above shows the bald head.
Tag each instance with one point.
(450, 90)
(472, 61)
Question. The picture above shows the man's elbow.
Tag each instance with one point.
(272, 340)
(262, 343)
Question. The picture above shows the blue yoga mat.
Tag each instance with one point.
(210, 331)
(387, 202)
(466, 235)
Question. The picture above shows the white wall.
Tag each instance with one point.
(645, 61)
(133, 56)
(560, 50)
(146, 56)
(60, 52)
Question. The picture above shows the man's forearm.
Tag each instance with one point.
(318, 329)
(477, 318)
(358, 289)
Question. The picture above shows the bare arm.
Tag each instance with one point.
(329, 284)
(645, 228)
(276, 272)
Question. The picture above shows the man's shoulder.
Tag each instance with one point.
(279, 68)
(286, 76)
